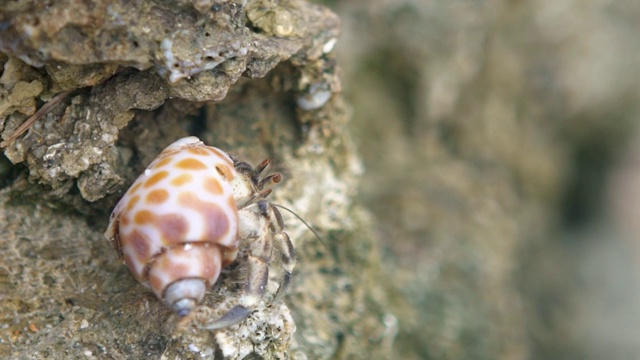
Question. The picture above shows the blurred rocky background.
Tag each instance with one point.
(501, 153)
(472, 166)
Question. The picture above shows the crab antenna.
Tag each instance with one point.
(306, 224)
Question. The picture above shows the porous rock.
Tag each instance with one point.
(118, 56)
(138, 76)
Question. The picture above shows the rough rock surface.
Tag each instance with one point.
(141, 75)
(178, 50)
(488, 131)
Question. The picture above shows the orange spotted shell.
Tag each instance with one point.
(177, 226)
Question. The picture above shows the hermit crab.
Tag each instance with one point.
(184, 219)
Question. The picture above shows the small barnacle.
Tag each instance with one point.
(316, 97)
(271, 19)
(184, 218)
(329, 45)
(283, 23)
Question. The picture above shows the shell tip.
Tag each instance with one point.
(184, 295)
(184, 306)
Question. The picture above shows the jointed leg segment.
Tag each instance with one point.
(261, 229)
